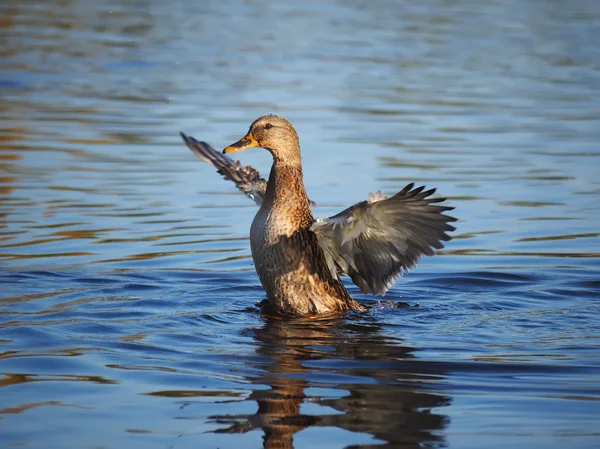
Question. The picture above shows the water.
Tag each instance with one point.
(128, 293)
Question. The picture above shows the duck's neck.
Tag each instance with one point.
(285, 188)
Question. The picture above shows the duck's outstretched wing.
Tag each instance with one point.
(246, 179)
(377, 241)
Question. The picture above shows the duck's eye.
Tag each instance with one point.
(268, 126)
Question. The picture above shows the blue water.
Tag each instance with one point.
(128, 296)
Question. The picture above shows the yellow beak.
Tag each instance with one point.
(248, 141)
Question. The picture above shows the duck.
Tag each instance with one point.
(299, 259)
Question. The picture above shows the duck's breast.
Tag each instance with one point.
(279, 248)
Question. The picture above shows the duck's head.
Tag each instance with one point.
(273, 133)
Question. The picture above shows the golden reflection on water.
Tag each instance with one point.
(373, 383)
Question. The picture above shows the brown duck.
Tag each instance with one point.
(299, 259)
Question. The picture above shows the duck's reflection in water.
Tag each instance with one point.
(381, 385)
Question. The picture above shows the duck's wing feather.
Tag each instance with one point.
(377, 241)
(246, 179)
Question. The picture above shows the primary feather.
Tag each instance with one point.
(246, 179)
(376, 241)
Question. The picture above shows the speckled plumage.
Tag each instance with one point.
(288, 259)
(299, 260)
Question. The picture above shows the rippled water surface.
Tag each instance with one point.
(128, 295)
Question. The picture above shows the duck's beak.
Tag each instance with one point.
(248, 141)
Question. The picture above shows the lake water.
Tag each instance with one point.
(128, 295)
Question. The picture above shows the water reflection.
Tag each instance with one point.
(374, 382)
